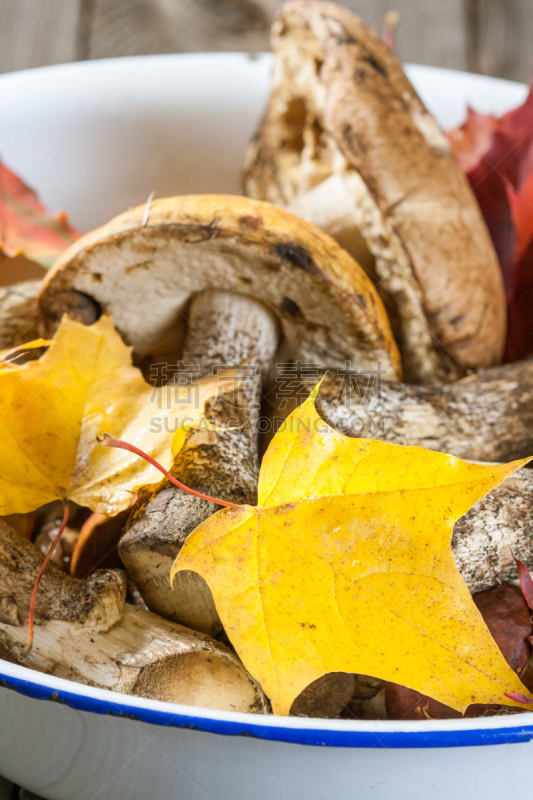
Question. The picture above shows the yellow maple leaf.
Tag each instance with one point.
(346, 566)
(52, 409)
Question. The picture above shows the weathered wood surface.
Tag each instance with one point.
(7, 790)
(490, 36)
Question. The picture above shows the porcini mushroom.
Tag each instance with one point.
(225, 329)
(347, 144)
(87, 633)
(143, 272)
(216, 255)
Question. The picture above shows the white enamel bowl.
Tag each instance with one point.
(94, 139)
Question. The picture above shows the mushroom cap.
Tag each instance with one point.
(143, 271)
(345, 127)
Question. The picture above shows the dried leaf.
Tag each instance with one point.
(346, 566)
(497, 156)
(526, 581)
(52, 410)
(508, 618)
(25, 226)
(8, 358)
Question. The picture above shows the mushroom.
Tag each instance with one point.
(19, 314)
(87, 633)
(224, 329)
(62, 553)
(484, 417)
(499, 525)
(212, 257)
(347, 144)
(143, 269)
(23, 523)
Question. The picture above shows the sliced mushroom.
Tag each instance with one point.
(347, 144)
(19, 314)
(87, 633)
(143, 273)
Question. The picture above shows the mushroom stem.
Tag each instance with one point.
(485, 417)
(498, 526)
(94, 604)
(225, 330)
(87, 633)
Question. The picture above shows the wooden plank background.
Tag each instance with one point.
(494, 37)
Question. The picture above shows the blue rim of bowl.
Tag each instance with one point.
(324, 733)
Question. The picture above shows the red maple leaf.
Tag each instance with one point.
(497, 157)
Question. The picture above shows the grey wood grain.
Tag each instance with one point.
(34, 33)
(139, 26)
(490, 36)
(499, 37)
(428, 32)
(163, 26)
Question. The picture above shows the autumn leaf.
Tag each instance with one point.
(8, 358)
(496, 154)
(346, 566)
(25, 226)
(508, 618)
(52, 409)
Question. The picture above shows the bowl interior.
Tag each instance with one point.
(95, 138)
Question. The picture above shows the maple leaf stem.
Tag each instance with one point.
(29, 642)
(109, 441)
(518, 697)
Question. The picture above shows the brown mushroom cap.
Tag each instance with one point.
(347, 143)
(143, 273)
